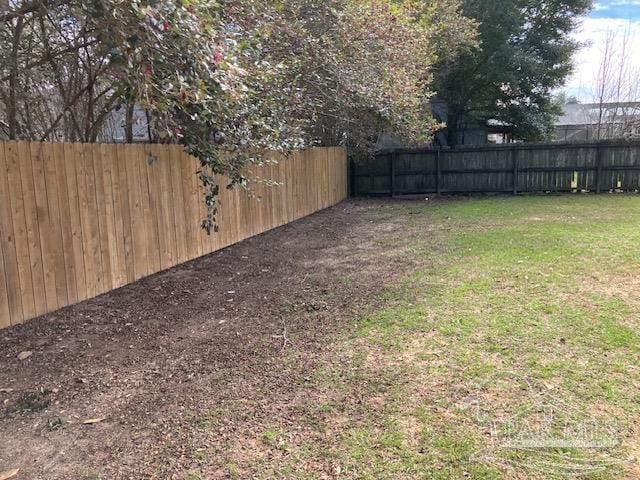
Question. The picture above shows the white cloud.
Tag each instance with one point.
(593, 33)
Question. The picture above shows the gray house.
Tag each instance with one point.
(592, 121)
(114, 126)
(471, 132)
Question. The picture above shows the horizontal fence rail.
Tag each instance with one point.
(78, 220)
(513, 168)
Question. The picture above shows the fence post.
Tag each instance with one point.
(598, 166)
(392, 168)
(438, 167)
(514, 160)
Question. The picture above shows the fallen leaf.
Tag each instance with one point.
(94, 420)
(24, 355)
(9, 474)
(6, 390)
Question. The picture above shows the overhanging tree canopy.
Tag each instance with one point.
(226, 79)
(524, 53)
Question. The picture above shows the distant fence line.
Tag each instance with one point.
(78, 220)
(513, 168)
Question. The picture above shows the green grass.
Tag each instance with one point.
(521, 312)
(532, 285)
(275, 438)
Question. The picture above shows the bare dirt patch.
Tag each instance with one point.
(183, 364)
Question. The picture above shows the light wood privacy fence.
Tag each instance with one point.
(78, 220)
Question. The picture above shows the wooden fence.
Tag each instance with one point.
(553, 167)
(78, 220)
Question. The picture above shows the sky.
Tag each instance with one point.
(607, 15)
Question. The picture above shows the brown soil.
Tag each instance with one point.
(184, 362)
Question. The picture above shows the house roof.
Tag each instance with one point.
(589, 113)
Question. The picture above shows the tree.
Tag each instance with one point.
(364, 67)
(51, 80)
(524, 53)
(617, 88)
(562, 98)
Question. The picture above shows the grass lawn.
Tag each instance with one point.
(518, 323)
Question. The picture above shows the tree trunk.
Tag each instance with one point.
(148, 119)
(128, 122)
(12, 104)
(453, 120)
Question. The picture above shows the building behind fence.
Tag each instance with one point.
(78, 220)
(513, 168)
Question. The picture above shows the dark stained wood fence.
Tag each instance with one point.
(514, 168)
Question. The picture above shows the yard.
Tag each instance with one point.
(378, 339)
